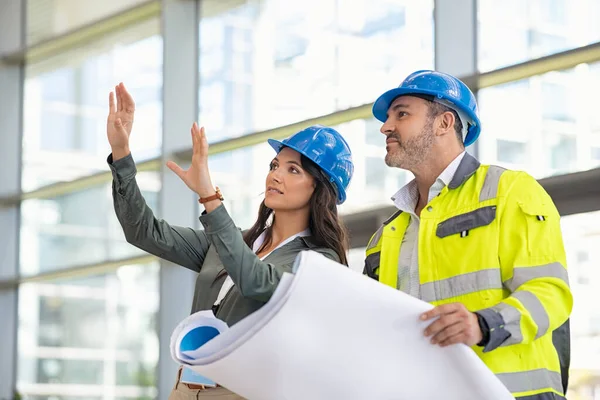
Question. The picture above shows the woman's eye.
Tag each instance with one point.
(294, 170)
(272, 167)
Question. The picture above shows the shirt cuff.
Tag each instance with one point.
(216, 220)
(495, 325)
(122, 169)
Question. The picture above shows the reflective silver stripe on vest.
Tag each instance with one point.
(489, 190)
(522, 275)
(375, 239)
(461, 284)
(512, 316)
(536, 310)
(537, 379)
(512, 323)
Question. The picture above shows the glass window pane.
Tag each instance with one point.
(77, 228)
(545, 124)
(581, 236)
(374, 183)
(66, 105)
(49, 18)
(90, 337)
(517, 31)
(268, 63)
(241, 176)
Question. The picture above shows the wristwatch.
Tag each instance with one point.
(215, 196)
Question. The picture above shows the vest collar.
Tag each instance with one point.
(467, 167)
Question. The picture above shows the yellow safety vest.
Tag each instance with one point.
(492, 241)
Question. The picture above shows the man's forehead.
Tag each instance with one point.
(407, 101)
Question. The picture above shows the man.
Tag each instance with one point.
(480, 243)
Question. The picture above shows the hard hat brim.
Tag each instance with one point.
(276, 145)
(383, 103)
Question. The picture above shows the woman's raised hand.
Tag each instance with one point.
(197, 176)
(120, 121)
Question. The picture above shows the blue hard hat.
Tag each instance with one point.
(445, 89)
(326, 148)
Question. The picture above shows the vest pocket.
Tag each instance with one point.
(465, 244)
(541, 220)
(463, 223)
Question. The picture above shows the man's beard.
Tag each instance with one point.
(412, 152)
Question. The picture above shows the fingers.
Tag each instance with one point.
(461, 337)
(441, 310)
(176, 168)
(198, 139)
(456, 324)
(448, 333)
(202, 142)
(202, 135)
(442, 323)
(127, 99)
(111, 103)
(195, 133)
(119, 98)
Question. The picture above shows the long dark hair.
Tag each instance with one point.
(326, 228)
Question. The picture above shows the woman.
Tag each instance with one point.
(238, 273)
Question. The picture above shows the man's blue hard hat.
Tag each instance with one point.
(443, 88)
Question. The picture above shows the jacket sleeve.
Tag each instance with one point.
(184, 246)
(254, 278)
(533, 264)
(373, 255)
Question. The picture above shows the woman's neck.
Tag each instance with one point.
(288, 223)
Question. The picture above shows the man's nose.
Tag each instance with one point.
(387, 127)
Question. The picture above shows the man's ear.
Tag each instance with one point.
(446, 123)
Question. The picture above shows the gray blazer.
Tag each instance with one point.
(219, 247)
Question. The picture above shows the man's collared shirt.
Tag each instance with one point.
(406, 200)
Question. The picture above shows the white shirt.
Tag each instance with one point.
(406, 200)
(228, 284)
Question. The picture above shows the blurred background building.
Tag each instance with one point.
(84, 315)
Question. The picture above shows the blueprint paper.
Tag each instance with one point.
(330, 333)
